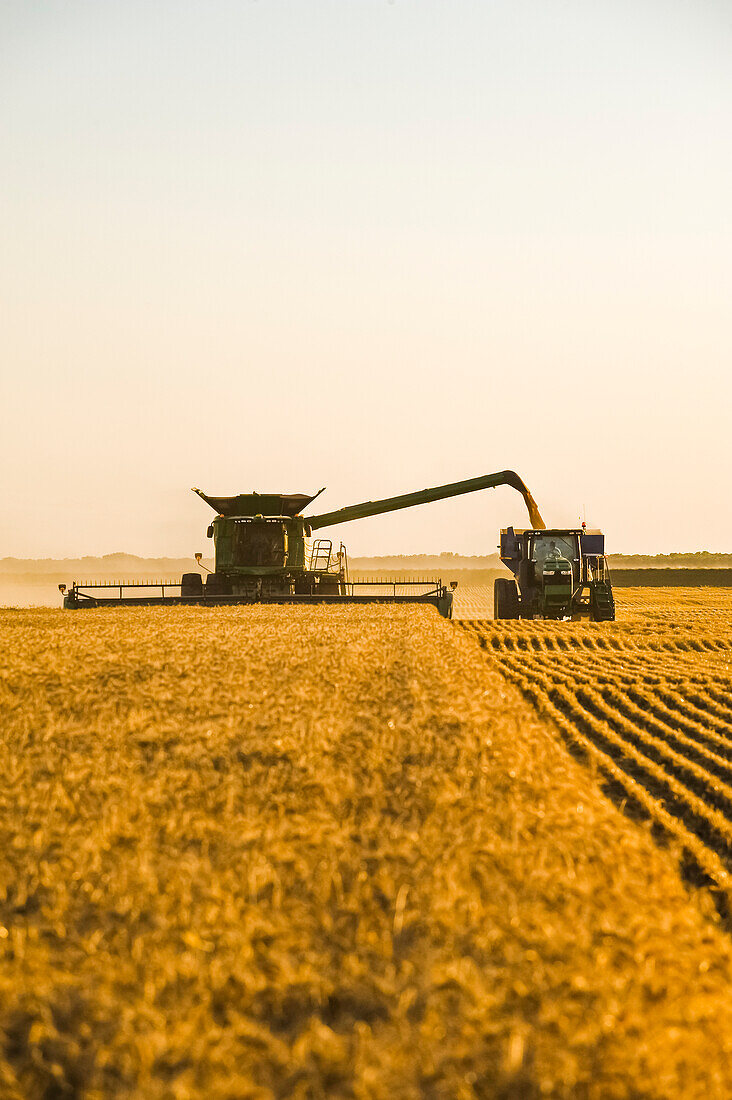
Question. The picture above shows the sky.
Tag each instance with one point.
(278, 244)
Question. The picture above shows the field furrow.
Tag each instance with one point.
(648, 699)
(635, 784)
(671, 710)
(720, 699)
(677, 754)
(700, 814)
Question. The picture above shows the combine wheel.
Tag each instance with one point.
(191, 585)
(505, 599)
(216, 585)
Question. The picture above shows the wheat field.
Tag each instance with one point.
(313, 852)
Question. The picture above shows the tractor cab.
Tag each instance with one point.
(550, 545)
(547, 549)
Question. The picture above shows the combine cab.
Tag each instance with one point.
(559, 574)
(265, 553)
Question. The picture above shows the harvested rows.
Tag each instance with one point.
(649, 700)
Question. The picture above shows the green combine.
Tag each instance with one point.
(265, 552)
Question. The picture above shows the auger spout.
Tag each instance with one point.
(426, 496)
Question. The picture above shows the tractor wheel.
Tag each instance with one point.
(191, 585)
(505, 599)
(602, 604)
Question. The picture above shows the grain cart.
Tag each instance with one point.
(264, 552)
(559, 574)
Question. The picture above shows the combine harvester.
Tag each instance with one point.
(265, 553)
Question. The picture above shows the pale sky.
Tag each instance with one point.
(271, 245)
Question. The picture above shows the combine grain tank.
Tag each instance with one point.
(265, 552)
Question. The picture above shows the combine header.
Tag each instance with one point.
(265, 553)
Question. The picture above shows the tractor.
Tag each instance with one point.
(557, 574)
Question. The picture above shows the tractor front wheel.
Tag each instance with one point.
(602, 604)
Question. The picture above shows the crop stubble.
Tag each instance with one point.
(648, 700)
(330, 852)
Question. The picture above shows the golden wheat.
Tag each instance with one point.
(307, 852)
